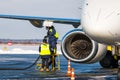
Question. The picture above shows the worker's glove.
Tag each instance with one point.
(52, 50)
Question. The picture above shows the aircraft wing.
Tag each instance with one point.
(38, 21)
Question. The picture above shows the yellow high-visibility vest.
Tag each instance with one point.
(45, 49)
(56, 34)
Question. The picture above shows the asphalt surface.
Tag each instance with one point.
(14, 67)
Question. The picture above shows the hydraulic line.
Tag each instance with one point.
(22, 68)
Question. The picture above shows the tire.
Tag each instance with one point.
(106, 62)
(118, 75)
(115, 63)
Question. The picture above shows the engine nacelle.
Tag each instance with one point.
(37, 23)
(80, 48)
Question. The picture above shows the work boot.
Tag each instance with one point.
(53, 69)
(41, 69)
(47, 70)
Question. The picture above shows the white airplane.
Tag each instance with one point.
(100, 23)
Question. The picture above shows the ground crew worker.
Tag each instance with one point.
(52, 37)
(52, 40)
(45, 55)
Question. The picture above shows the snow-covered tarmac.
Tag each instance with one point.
(22, 49)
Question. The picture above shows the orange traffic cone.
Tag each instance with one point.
(72, 74)
(69, 71)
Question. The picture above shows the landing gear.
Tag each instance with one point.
(109, 61)
(112, 59)
(118, 73)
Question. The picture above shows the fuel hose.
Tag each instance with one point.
(22, 68)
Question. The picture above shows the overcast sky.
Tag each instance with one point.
(22, 29)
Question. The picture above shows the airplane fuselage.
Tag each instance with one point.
(101, 20)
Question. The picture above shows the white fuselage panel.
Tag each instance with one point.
(101, 20)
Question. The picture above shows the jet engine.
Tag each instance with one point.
(80, 48)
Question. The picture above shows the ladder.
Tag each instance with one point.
(55, 57)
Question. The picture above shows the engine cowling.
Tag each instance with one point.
(37, 23)
(80, 48)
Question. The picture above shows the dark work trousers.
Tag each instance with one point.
(45, 62)
(52, 42)
(50, 60)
